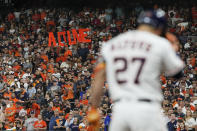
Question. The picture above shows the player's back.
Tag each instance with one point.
(134, 64)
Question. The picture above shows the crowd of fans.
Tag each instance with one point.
(45, 87)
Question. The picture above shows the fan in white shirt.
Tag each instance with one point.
(190, 122)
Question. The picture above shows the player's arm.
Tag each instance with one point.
(173, 65)
(96, 93)
(178, 75)
(97, 84)
(172, 38)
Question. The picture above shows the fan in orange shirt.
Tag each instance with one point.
(65, 95)
(193, 61)
(50, 68)
(10, 112)
(2, 29)
(163, 79)
(67, 52)
(43, 66)
(84, 100)
(51, 22)
(13, 98)
(61, 58)
(16, 67)
(4, 78)
(40, 124)
(17, 53)
(43, 15)
(69, 87)
(44, 57)
(43, 75)
(7, 94)
(56, 107)
(11, 17)
(18, 107)
(36, 108)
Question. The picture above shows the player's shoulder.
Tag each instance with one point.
(155, 39)
(163, 42)
(153, 36)
(137, 34)
(106, 45)
(158, 41)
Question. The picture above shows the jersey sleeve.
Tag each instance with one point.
(102, 55)
(101, 59)
(172, 64)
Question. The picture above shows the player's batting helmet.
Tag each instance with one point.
(154, 18)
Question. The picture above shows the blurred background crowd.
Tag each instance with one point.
(47, 88)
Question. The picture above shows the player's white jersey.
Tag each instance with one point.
(134, 62)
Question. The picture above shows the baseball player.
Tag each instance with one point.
(132, 63)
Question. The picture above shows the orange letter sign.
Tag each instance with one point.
(59, 38)
(83, 35)
(69, 39)
(52, 39)
(76, 35)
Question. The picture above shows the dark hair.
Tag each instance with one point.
(180, 121)
(61, 114)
